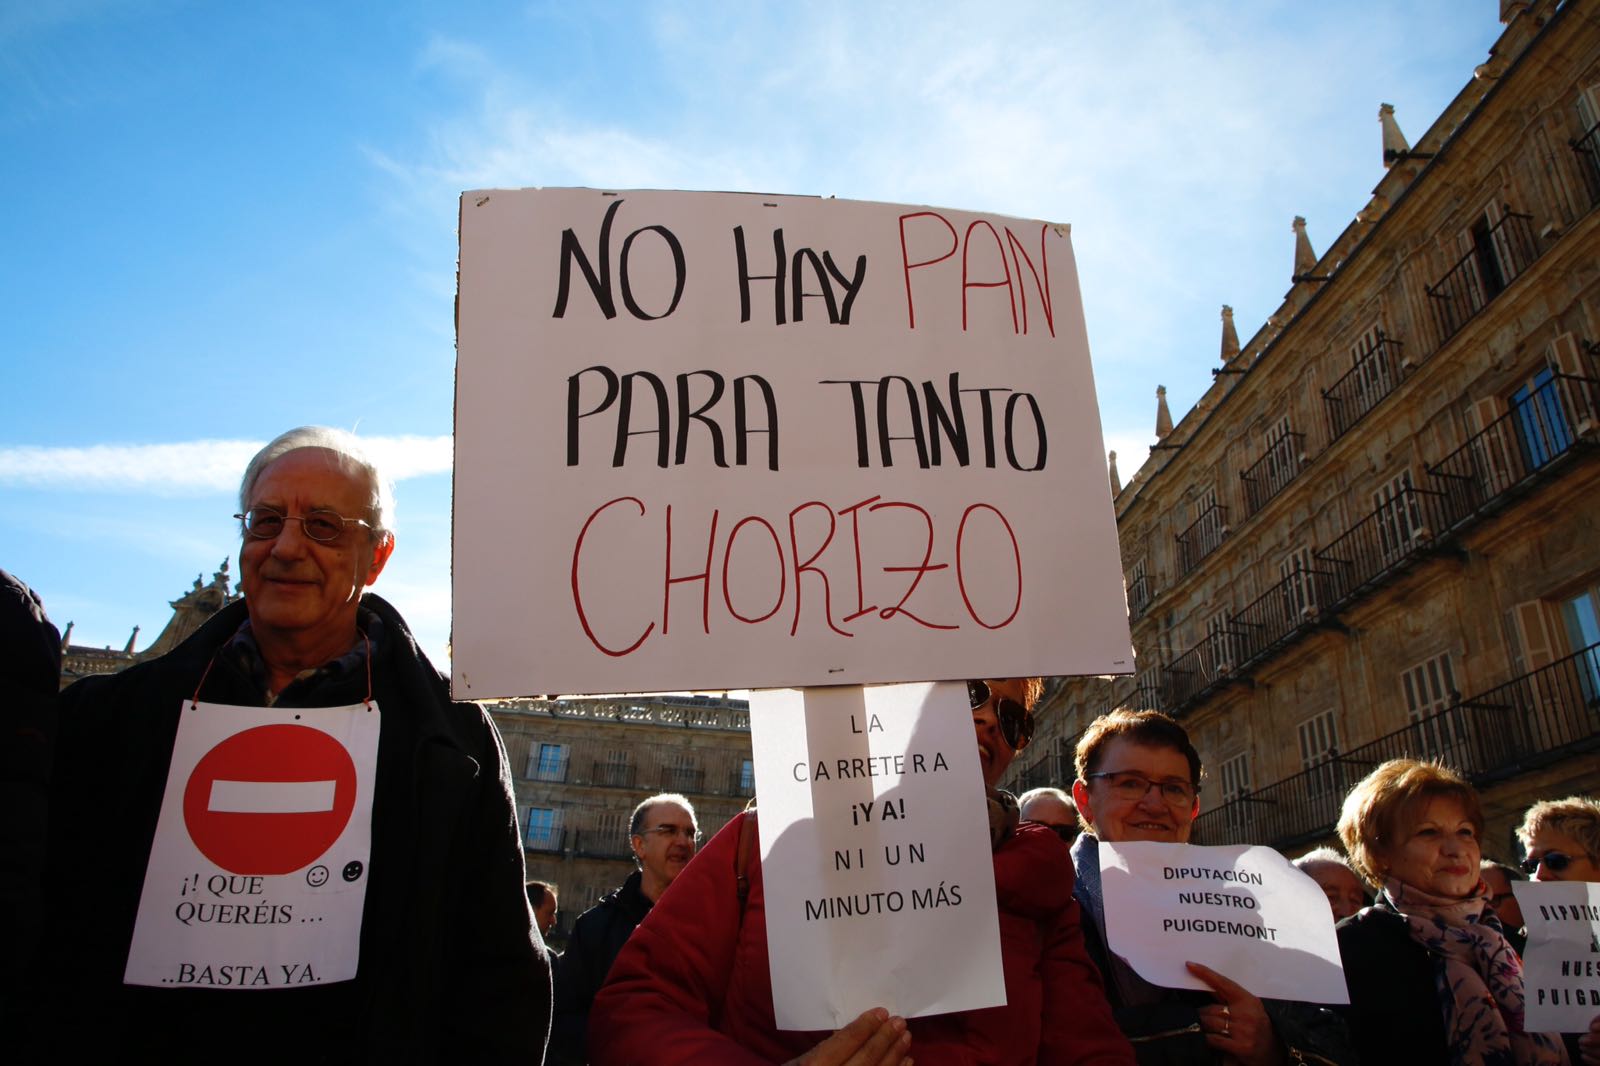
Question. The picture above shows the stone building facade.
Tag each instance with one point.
(581, 765)
(1374, 535)
(188, 612)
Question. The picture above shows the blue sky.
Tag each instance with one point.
(223, 220)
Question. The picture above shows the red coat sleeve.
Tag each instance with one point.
(670, 979)
(1078, 1024)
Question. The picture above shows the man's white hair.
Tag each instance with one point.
(351, 456)
(1054, 793)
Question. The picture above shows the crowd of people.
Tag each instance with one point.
(445, 951)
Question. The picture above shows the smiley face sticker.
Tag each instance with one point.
(317, 876)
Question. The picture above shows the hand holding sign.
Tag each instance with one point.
(1589, 1044)
(873, 1039)
(1242, 909)
(1240, 1028)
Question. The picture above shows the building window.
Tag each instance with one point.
(681, 774)
(617, 769)
(1399, 513)
(1319, 742)
(1147, 693)
(1372, 376)
(1204, 535)
(1541, 424)
(1299, 584)
(1138, 589)
(1277, 466)
(1430, 687)
(1580, 617)
(1319, 737)
(1430, 693)
(547, 762)
(747, 777)
(1235, 776)
(1219, 644)
(544, 829)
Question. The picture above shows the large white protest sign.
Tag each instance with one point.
(714, 440)
(875, 854)
(258, 872)
(1561, 966)
(1244, 911)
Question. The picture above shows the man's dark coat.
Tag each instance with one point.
(450, 967)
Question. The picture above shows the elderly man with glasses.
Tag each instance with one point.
(664, 835)
(1139, 780)
(432, 949)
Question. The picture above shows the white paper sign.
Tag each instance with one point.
(875, 856)
(258, 873)
(1244, 911)
(714, 440)
(1561, 966)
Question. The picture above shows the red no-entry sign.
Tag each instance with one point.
(270, 800)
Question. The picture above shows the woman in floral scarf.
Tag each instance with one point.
(1432, 978)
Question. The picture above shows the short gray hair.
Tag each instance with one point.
(352, 457)
(1054, 793)
(636, 825)
(1323, 855)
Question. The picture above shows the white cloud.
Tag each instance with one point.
(188, 467)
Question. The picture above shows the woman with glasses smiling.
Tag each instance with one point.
(1139, 780)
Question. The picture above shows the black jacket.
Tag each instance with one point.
(450, 968)
(1394, 1009)
(597, 938)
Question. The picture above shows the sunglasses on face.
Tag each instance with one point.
(1554, 861)
(1016, 721)
(1067, 833)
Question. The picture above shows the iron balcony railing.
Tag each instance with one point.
(741, 784)
(1383, 543)
(1052, 768)
(1042, 773)
(1139, 595)
(1268, 475)
(1512, 452)
(1532, 720)
(1203, 537)
(682, 779)
(1279, 615)
(1373, 376)
(601, 844)
(1500, 253)
(1197, 671)
(619, 775)
(1587, 149)
(544, 839)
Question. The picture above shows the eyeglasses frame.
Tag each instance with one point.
(1557, 861)
(249, 523)
(1159, 786)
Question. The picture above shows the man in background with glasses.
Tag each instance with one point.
(664, 836)
(1051, 807)
(1139, 780)
(446, 964)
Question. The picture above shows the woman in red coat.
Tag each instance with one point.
(693, 986)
